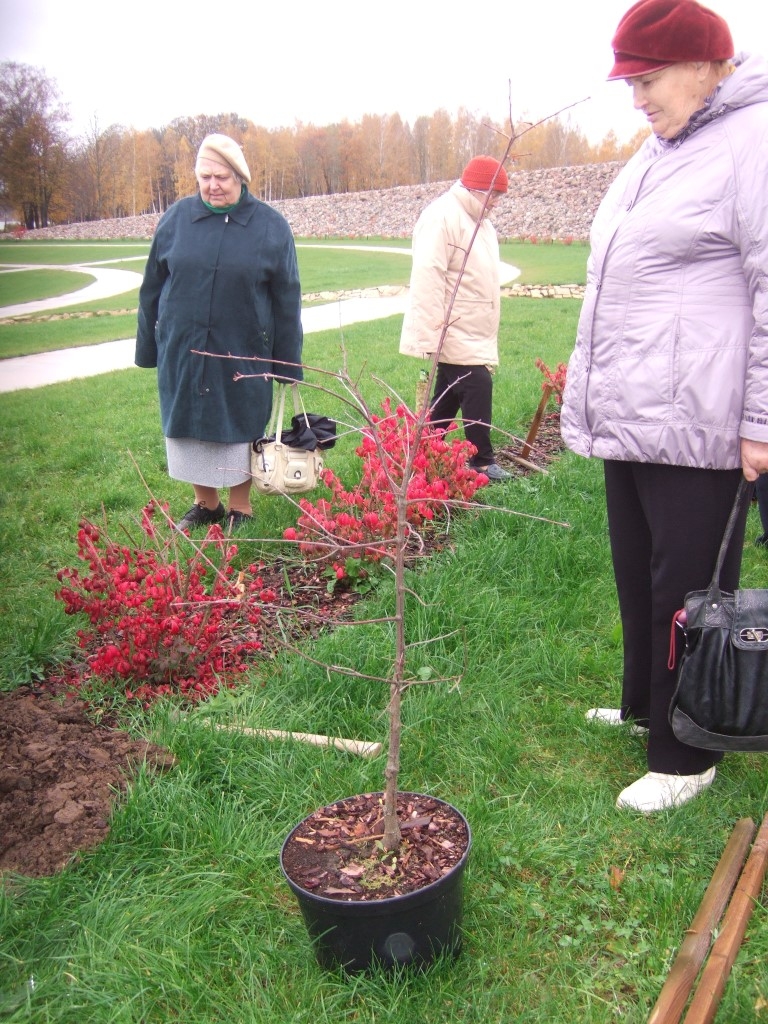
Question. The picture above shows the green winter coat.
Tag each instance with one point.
(222, 283)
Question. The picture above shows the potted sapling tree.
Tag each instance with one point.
(379, 876)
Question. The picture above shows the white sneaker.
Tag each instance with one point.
(612, 716)
(658, 792)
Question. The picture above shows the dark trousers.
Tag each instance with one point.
(468, 389)
(665, 525)
(761, 490)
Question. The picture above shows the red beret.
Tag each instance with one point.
(656, 33)
(479, 173)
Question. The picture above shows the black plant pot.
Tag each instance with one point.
(410, 929)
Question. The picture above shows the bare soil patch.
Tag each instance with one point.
(60, 773)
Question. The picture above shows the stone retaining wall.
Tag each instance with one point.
(556, 203)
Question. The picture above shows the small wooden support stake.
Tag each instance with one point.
(709, 991)
(534, 429)
(695, 946)
(360, 747)
(528, 465)
(422, 395)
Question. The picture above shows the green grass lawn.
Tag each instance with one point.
(17, 286)
(323, 267)
(550, 263)
(573, 911)
(66, 253)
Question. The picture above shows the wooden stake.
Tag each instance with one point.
(422, 395)
(534, 429)
(709, 991)
(528, 465)
(676, 989)
(360, 747)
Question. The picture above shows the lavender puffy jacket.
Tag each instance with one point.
(671, 356)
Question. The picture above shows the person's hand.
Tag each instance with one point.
(754, 458)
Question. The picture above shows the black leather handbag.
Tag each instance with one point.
(721, 699)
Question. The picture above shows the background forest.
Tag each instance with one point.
(48, 177)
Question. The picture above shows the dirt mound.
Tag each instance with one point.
(58, 775)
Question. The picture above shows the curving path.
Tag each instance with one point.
(108, 283)
(43, 368)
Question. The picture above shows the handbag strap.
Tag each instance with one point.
(275, 427)
(298, 403)
(742, 496)
(743, 493)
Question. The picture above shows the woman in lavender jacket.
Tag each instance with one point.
(668, 382)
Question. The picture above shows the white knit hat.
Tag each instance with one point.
(222, 149)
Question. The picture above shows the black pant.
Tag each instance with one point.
(761, 490)
(468, 389)
(665, 525)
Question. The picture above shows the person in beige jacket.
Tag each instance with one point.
(469, 352)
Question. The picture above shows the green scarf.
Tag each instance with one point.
(226, 209)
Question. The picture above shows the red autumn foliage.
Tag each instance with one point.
(554, 379)
(363, 521)
(159, 624)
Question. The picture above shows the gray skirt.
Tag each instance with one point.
(208, 463)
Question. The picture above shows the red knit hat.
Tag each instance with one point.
(479, 174)
(656, 33)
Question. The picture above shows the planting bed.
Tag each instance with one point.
(61, 766)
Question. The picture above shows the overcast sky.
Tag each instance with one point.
(144, 62)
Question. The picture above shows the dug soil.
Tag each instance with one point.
(63, 767)
(60, 773)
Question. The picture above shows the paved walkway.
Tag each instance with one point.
(43, 368)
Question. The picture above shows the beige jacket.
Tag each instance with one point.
(440, 240)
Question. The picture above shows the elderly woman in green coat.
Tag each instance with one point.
(221, 280)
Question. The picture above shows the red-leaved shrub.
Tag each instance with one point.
(363, 522)
(159, 624)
